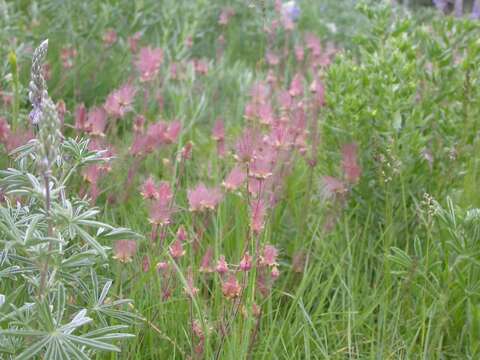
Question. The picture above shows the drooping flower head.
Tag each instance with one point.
(119, 102)
(124, 250)
(202, 198)
(148, 63)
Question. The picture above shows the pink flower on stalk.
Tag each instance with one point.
(246, 262)
(231, 288)
(68, 54)
(202, 198)
(176, 249)
(139, 124)
(120, 101)
(80, 117)
(275, 273)
(269, 257)
(317, 88)
(145, 263)
(4, 130)
(313, 44)
(222, 266)
(246, 144)
(333, 186)
(133, 41)
(205, 263)
(96, 122)
(299, 53)
(160, 212)
(272, 58)
(124, 250)
(258, 213)
(148, 63)
(225, 16)
(110, 37)
(351, 168)
(172, 131)
(296, 86)
(200, 66)
(149, 189)
(190, 288)
(218, 131)
(235, 179)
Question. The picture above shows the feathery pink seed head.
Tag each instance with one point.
(269, 256)
(148, 63)
(124, 250)
(222, 266)
(246, 262)
(231, 288)
(176, 249)
(235, 178)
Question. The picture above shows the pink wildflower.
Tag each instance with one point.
(299, 53)
(205, 264)
(333, 186)
(246, 262)
(235, 179)
(275, 273)
(110, 37)
(202, 198)
(148, 63)
(133, 42)
(162, 266)
(296, 86)
(149, 189)
(231, 288)
(269, 257)
(124, 250)
(222, 266)
(245, 147)
(172, 132)
(182, 234)
(120, 101)
(225, 16)
(68, 54)
(190, 288)
(351, 169)
(160, 212)
(218, 131)
(272, 58)
(258, 213)
(145, 263)
(80, 117)
(96, 121)
(4, 130)
(201, 66)
(176, 249)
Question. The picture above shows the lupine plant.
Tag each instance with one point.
(55, 301)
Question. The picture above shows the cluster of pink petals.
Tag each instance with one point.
(225, 15)
(68, 55)
(133, 41)
(235, 179)
(351, 168)
(269, 256)
(161, 206)
(231, 288)
(119, 102)
(13, 139)
(202, 198)
(148, 63)
(110, 37)
(124, 250)
(157, 135)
